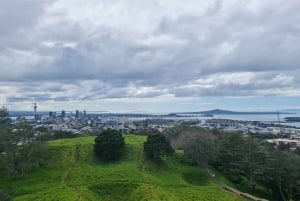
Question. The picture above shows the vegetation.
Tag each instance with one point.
(256, 168)
(44, 134)
(4, 196)
(248, 163)
(230, 156)
(284, 175)
(156, 146)
(199, 145)
(109, 145)
(202, 149)
(74, 174)
(4, 115)
(20, 151)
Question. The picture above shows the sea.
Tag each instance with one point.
(265, 118)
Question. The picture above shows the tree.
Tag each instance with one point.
(230, 156)
(202, 149)
(20, 149)
(5, 127)
(4, 115)
(5, 130)
(109, 145)
(284, 175)
(297, 151)
(157, 145)
(253, 162)
(180, 135)
(4, 196)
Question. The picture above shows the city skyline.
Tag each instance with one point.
(150, 56)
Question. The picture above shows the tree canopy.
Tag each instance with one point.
(157, 145)
(109, 145)
(284, 175)
(202, 149)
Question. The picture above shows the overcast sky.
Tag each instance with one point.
(150, 55)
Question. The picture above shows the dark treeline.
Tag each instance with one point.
(251, 164)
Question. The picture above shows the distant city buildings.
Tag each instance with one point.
(292, 142)
(52, 114)
(81, 122)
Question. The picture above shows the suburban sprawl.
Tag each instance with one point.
(83, 123)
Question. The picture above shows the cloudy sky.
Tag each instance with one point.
(150, 55)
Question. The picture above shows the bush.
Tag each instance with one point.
(109, 145)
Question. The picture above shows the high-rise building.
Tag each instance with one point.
(63, 114)
(52, 114)
(77, 114)
(84, 113)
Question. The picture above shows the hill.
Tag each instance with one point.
(74, 174)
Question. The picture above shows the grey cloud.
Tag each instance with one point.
(17, 22)
(166, 49)
(239, 84)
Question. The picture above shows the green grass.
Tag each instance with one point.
(78, 176)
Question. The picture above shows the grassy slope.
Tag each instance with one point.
(131, 178)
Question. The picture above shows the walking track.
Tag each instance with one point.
(232, 190)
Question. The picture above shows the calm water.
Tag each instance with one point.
(262, 118)
(266, 118)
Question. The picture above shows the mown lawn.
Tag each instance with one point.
(74, 174)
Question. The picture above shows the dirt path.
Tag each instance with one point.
(64, 177)
(232, 190)
(73, 160)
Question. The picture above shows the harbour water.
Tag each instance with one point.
(267, 118)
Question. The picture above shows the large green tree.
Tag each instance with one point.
(231, 155)
(202, 149)
(109, 145)
(254, 160)
(284, 175)
(157, 145)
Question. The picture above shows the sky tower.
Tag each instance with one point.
(35, 110)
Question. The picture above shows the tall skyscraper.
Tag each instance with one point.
(84, 113)
(63, 114)
(77, 114)
(52, 114)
